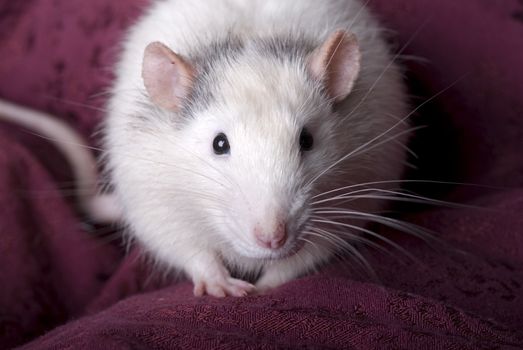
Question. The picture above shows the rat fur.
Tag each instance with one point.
(249, 78)
(306, 102)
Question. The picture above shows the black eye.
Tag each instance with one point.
(306, 140)
(221, 144)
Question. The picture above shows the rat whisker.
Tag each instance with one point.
(322, 220)
(387, 67)
(407, 181)
(347, 248)
(131, 156)
(358, 149)
(78, 104)
(356, 17)
(361, 239)
(391, 195)
(417, 231)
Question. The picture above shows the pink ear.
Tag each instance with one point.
(337, 64)
(168, 78)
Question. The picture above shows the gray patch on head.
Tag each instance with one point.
(284, 48)
(208, 60)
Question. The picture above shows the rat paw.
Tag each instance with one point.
(222, 287)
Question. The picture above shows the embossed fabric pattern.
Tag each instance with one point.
(64, 284)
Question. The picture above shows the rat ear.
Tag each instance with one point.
(168, 78)
(337, 64)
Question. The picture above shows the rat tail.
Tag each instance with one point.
(101, 208)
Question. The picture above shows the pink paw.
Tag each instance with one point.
(222, 287)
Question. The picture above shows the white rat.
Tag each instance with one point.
(229, 118)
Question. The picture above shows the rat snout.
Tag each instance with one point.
(272, 239)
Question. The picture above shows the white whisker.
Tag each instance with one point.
(366, 231)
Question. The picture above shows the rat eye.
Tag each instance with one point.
(306, 140)
(221, 144)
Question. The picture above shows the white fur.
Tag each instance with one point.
(193, 210)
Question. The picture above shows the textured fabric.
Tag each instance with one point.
(66, 285)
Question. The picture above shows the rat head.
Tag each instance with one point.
(256, 121)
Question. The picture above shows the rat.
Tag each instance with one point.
(235, 127)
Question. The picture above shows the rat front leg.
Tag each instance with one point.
(281, 271)
(210, 277)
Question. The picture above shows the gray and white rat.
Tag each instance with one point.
(234, 125)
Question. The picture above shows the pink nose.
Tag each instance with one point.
(272, 241)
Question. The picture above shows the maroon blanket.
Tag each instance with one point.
(67, 285)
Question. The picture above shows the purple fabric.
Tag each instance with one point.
(63, 287)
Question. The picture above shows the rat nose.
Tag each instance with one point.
(274, 240)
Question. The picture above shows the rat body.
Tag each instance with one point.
(236, 127)
(240, 113)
